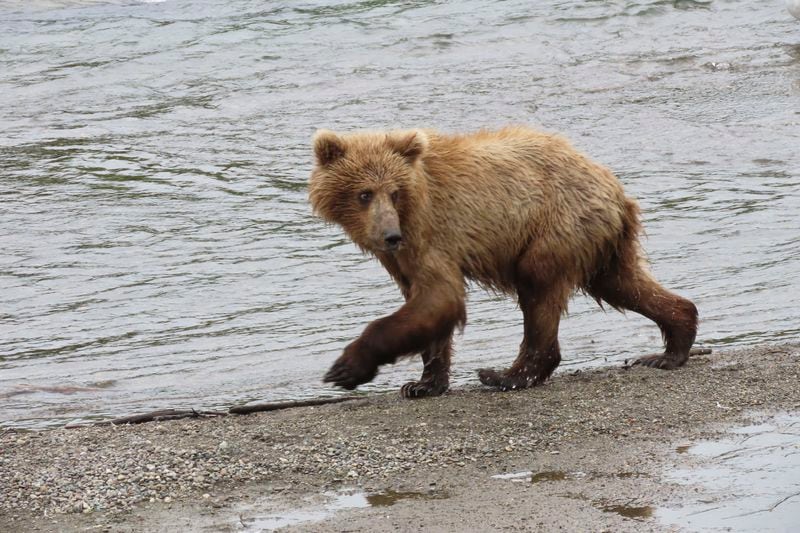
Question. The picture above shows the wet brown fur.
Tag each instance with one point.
(515, 210)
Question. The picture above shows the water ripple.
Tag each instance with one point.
(154, 156)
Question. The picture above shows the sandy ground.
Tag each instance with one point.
(590, 451)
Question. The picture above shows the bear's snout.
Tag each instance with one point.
(385, 233)
(392, 238)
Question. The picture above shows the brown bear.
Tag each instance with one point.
(514, 210)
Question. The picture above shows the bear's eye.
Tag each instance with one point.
(395, 196)
(365, 197)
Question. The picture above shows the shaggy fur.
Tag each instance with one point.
(515, 210)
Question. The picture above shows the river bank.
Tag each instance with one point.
(589, 448)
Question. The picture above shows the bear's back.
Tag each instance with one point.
(495, 193)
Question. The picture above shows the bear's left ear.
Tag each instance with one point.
(328, 147)
(411, 145)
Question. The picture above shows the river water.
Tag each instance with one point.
(156, 246)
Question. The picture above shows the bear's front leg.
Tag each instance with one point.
(427, 317)
(435, 378)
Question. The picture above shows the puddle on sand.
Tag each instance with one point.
(628, 511)
(636, 512)
(553, 475)
(313, 513)
(391, 497)
(333, 503)
(562, 475)
(516, 477)
(751, 480)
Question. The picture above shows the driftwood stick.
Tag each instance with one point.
(153, 416)
(275, 406)
(176, 414)
(165, 414)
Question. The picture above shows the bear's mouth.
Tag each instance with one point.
(390, 250)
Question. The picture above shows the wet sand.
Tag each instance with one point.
(589, 450)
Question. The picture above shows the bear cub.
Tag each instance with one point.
(515, 210)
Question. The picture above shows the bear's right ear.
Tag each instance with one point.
(328, 147)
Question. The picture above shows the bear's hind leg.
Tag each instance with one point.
(539, 353)
(628, 285)
(435, 378)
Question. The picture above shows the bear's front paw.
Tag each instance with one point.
(423, 388)
(507, 381)
(664, 362)
(348, 373)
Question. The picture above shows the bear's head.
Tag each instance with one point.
(371, 184)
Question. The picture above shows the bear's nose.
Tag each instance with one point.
(392, 238)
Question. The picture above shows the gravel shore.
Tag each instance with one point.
(438, 455)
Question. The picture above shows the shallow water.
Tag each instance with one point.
(748, 482)
(157, 247)
(254, 522)
(256, 517)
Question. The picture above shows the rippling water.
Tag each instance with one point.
(156, 247)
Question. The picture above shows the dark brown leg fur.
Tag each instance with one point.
(423, 321)
(436, 373)
(542, 298)
(627, 285)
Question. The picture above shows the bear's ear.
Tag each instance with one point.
(328, 147)
(411, 145)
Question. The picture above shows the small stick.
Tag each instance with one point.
(176, 414)
(275, 406)
(153, 416)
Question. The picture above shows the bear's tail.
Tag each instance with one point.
(631, 223)
(629, 255)
(621, 253)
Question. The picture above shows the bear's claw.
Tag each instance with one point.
(421, 389)
(664, 362)
(339, 376)
(504, 381)
(343, 375)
